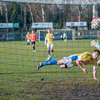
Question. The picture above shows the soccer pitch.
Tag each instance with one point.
(20, 79)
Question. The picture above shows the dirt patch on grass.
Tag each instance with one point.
(57, 90)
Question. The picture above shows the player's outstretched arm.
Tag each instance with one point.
(95, 73)
(95, 44)
(80, 64)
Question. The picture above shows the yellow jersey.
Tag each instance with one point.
(49, 37)
(86, 58)
(28, 36)
(64, 35)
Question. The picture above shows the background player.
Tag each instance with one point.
(64, 37)
(33, 40)
(76, 60)
(28, 39)
(49, 38)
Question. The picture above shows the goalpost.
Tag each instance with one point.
(58, 33)
(71, 34)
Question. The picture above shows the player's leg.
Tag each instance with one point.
(48, 47)
(52, 49)
(33, 46)
(28, 42)
(51, 61)
(65, 39)
(63, 66)
(61, 63)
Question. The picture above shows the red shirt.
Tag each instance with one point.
(33, 37)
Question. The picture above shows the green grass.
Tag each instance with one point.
(20, 79)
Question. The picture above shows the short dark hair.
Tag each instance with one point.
(96, 50)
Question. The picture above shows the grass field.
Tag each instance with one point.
(20, 79)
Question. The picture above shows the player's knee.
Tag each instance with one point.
(48, 48)
(52, 50)
(63, 66)
(59, 62)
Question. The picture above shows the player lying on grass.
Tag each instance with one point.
(95, 44)
(76, 60)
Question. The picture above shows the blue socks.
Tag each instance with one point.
(48, 52)
(50, 62)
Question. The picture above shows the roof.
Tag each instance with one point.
(56, 1)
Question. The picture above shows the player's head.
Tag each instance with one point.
(33, 31)
(95, 54)
(49, 31)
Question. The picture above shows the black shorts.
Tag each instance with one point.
(33, 43)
